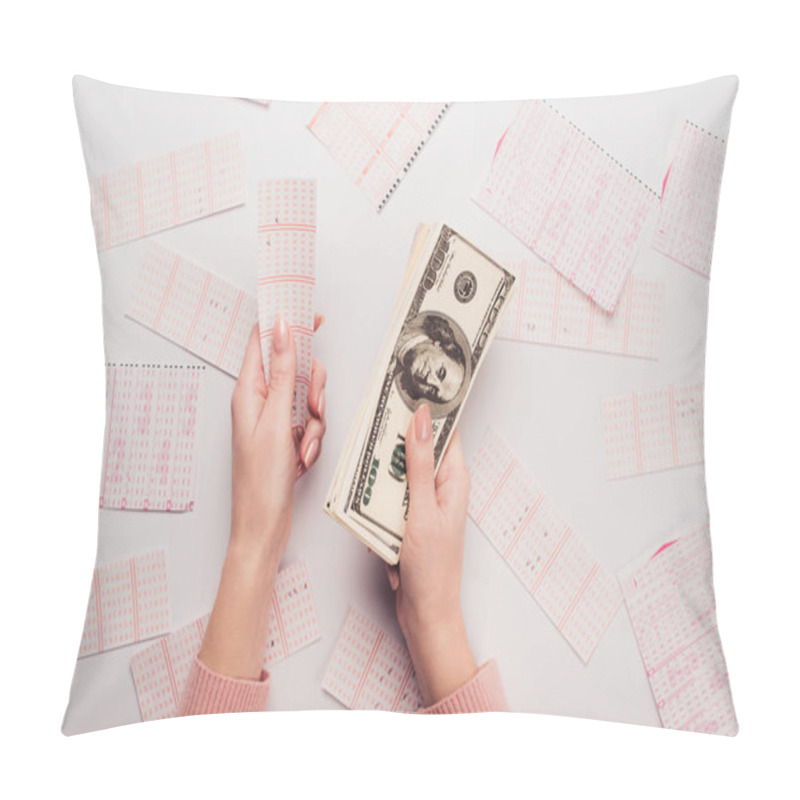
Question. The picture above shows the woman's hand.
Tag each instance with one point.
(428, 580)
(267, 456)
(267, 461)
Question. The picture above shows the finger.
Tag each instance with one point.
(251, 387)
(251, 373)
(282, 371)
(311, 443)
(316, 393)
(318, 320)
(394, 577)
(419, 463)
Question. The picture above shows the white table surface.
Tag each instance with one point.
(546, 401)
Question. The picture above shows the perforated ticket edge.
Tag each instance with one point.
(380, 202)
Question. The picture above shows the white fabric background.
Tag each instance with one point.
(545, 401)
(53, 385)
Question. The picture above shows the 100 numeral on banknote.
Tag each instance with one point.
(450, 304)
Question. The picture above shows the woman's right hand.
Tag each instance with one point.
(427, 581)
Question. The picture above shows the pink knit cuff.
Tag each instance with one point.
(207, 692)
(482, 692)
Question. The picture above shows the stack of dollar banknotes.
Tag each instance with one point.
(444, 319)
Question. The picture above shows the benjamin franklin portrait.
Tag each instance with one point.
(432, 362)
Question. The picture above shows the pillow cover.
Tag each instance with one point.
(587, 569)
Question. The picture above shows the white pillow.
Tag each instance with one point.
(586, 421)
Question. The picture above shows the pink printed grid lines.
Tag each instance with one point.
(547, 309)
(150, 442)
(190, 306)
(376, 143)
(670, 601)
(128, 602)
(688, 212)
(287, 239)
(294, 622)
(551, 561)
(653, 430)
(177, 187)
(160, 672)
(370, 669)
(569, 201)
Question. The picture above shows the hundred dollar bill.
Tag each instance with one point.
(444, 319)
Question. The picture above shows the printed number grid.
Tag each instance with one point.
(160, 672)
(159, 193)
(376, 143)
(547, 309)
(150, 443)
(649, 431)
(294, 622)
(287, 239)
(569, 201)
(128, 602)
(688, 212)
(670, 601)
(190, 306)
(370, 669)
(551, 561)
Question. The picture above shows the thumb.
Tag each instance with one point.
(419, 463)
(282, 370)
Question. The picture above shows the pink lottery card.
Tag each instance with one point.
(150, 442)
(370, 669)
(190, 306)
(294, 623)
(128, 602)
(547, 309)
(376, 143)
(171, 189)
(670, 599)
(553, 563)
(652, 430)
(688, 212)
(568, 200)
(160, 671)
(287, 229)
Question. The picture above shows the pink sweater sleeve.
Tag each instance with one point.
(207, 692)
(483, 692)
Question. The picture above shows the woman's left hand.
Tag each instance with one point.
(268, 456)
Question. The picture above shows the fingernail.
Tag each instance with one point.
(422, 423)
(321, 404)
(311, 451)
(280, 340)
